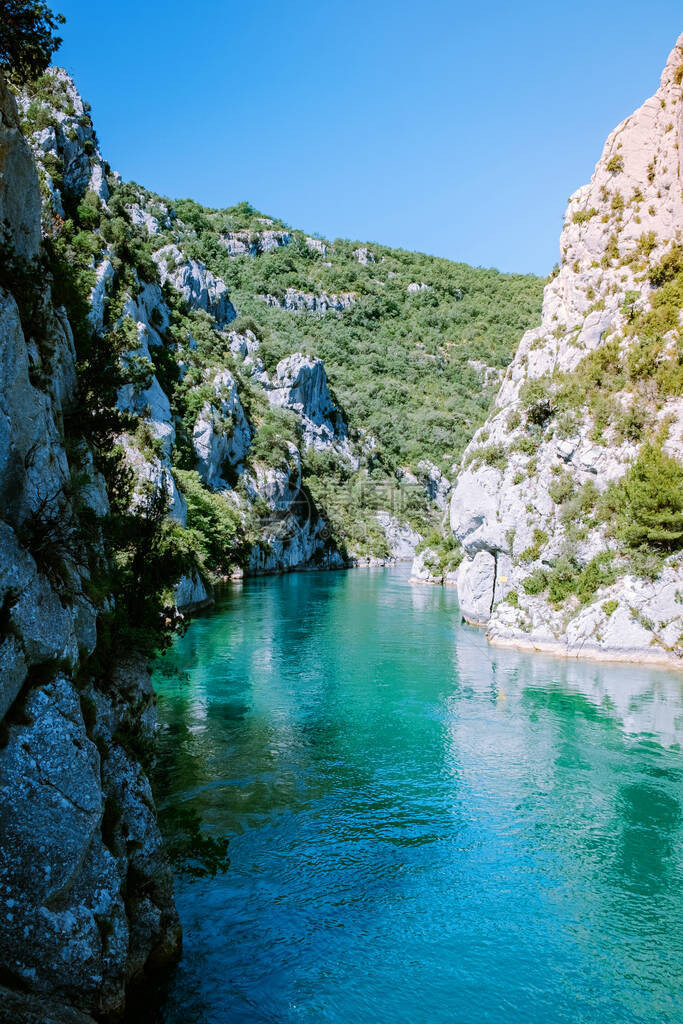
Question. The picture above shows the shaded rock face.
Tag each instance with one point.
(19, 193)
(192, 593)
(437, 486)
(506, 509)
(86, 899)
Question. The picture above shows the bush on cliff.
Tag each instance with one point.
(649, 502)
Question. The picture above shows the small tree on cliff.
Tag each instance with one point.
(27, 38)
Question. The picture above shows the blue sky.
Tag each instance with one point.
(455, 129)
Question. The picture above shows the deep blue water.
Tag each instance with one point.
(422, 828)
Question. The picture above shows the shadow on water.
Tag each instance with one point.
(420, 827)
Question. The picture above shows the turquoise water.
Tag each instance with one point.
(422, 828)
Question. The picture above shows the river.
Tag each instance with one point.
(421, 828)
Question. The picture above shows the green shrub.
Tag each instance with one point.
(536, 397)
(524, 444)
(582, 216)
(615, 164)
(536, 582)
(278, 428)
(88, 211)
(668, 268)
(648, 501)
(609, 607)
(488, 455)
(533, 552)
(561, 487)
(215, 523)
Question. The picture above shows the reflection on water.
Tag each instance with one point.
(422, 828)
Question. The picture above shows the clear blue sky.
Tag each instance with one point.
(459, 129)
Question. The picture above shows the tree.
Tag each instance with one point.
(651, 505)
(27, 38)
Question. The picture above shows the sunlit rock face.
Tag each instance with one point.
(507, 508)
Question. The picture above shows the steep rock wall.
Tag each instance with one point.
(575, 411)
(86, 898)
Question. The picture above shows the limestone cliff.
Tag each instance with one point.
(86, 899)
(568, 502)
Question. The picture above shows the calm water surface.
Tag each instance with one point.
(422, 828)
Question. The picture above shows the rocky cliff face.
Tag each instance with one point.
(194, 390)
(568, 503)
(86, 899)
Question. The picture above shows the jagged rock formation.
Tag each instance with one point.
(588, 394)
(437, 486)
(198, 286)
(300, 384)
(250, 243)
(86, 899)
(401, 539)
(221, 434)
(296, 301)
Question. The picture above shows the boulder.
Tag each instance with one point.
(476, 581)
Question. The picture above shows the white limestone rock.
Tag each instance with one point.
(278, 486)
(191, 594)
(425, 567)
(199, 287)
(221, 433)
(364, 255)
(501, 505)
(401, 538)
(300, 384)
(297, 301)
(476, 581)
(437, 486)
(153, 474)
(20, 201)
(245, 347)
(70, 139)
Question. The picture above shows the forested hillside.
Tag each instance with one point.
(299, 401)
(413, 345)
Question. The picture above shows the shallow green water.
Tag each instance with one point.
(422, 828)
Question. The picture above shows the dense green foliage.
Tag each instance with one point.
(398, 361)
(27, 38)
(648, 502)
(215, 525)
(566, 578)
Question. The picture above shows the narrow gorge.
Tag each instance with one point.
(193, 397)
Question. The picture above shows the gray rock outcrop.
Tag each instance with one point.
(198, 286)
(297, 301)
(300, 384)
(402, 539)
(20, 205)
(221, 432)
(86, 898)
